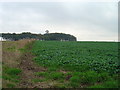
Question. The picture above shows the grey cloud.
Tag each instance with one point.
(87, 18)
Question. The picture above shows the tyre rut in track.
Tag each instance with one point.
(28, 72)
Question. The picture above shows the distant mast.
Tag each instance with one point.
(47, 31)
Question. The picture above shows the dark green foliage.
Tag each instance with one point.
(59, 37)
(24, 35)
(85, 64)
(28, 35)
(78, 56)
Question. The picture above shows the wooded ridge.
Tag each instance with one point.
(47, 36)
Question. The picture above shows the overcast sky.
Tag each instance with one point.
(85, 20)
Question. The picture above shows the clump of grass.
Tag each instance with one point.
(89, 77)
(103, 77)
(52, 69)
(75, 68)
(97, 86)
(6, 77)
(11, 77)
(13, 48)
(74, 85)
(43, 74)
(59, 85)
(75, 81)
(22, 50)
(10, 85)
(15, 80)
(68, 73)
(13, 71)
(38, 80)
(11, 74)
(76, 73)
(107, 84)
(61, 81)
(56, 75)
(111, 84)
(51, 75)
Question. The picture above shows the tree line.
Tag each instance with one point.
(47, 36)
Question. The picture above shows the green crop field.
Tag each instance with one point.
(86, 64)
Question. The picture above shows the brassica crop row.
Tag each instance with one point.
(78, 56)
